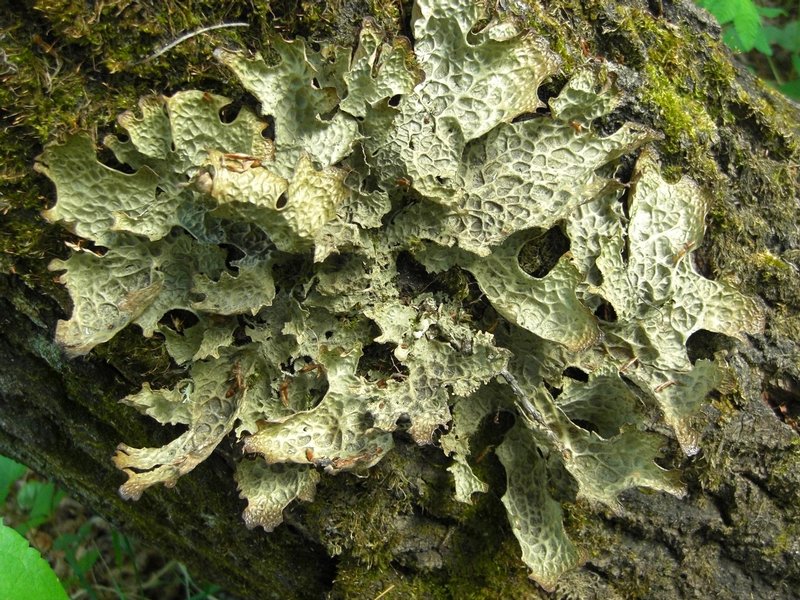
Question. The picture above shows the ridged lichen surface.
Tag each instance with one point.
(283, 235)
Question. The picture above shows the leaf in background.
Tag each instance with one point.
(787, 37)
(10, 471)
(745, 18)
(747, 23)
(40, 499)
(769, 12)
(762, 43)
(792, 88)
(26, 575)
(723, 10)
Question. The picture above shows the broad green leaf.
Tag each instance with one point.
(40, 500)
(792, 88)
(747, 23)
(770, 12)
(25, 574)
(787, 36)
(725, 11)
(744, 16)
(762, 44)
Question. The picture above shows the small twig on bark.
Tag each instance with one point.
(187, 36)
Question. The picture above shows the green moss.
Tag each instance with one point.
(785, 473)
(773, 266)
(676, 90)
(727, 406)
(140, 359)
(740, 236)
(784, 541)
(377, 525)
(353, 581)
(544, 22)
(683, 119)
(355, 516)
(484, 546)
(682, 95)
(388, 14)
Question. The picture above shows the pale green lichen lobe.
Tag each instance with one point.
(311, 345)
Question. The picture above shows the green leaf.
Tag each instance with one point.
(95, 200)
(723, 10)
(40, 499)
(123, 548)
(787, 37)
(791, 40)
(747, 23)
(10, 472)
(25, 574)
(249, 290)
(605, 467)
(792, 88)
(744, 16)
(762, 44)
(770, 12)
(604, 401)
(731, 39)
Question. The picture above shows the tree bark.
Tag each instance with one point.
(66, 66)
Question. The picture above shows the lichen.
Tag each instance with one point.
(283, 237)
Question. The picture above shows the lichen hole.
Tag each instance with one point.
(542, 251)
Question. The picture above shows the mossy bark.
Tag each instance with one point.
(67, 66)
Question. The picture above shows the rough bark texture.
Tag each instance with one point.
(69, 65)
